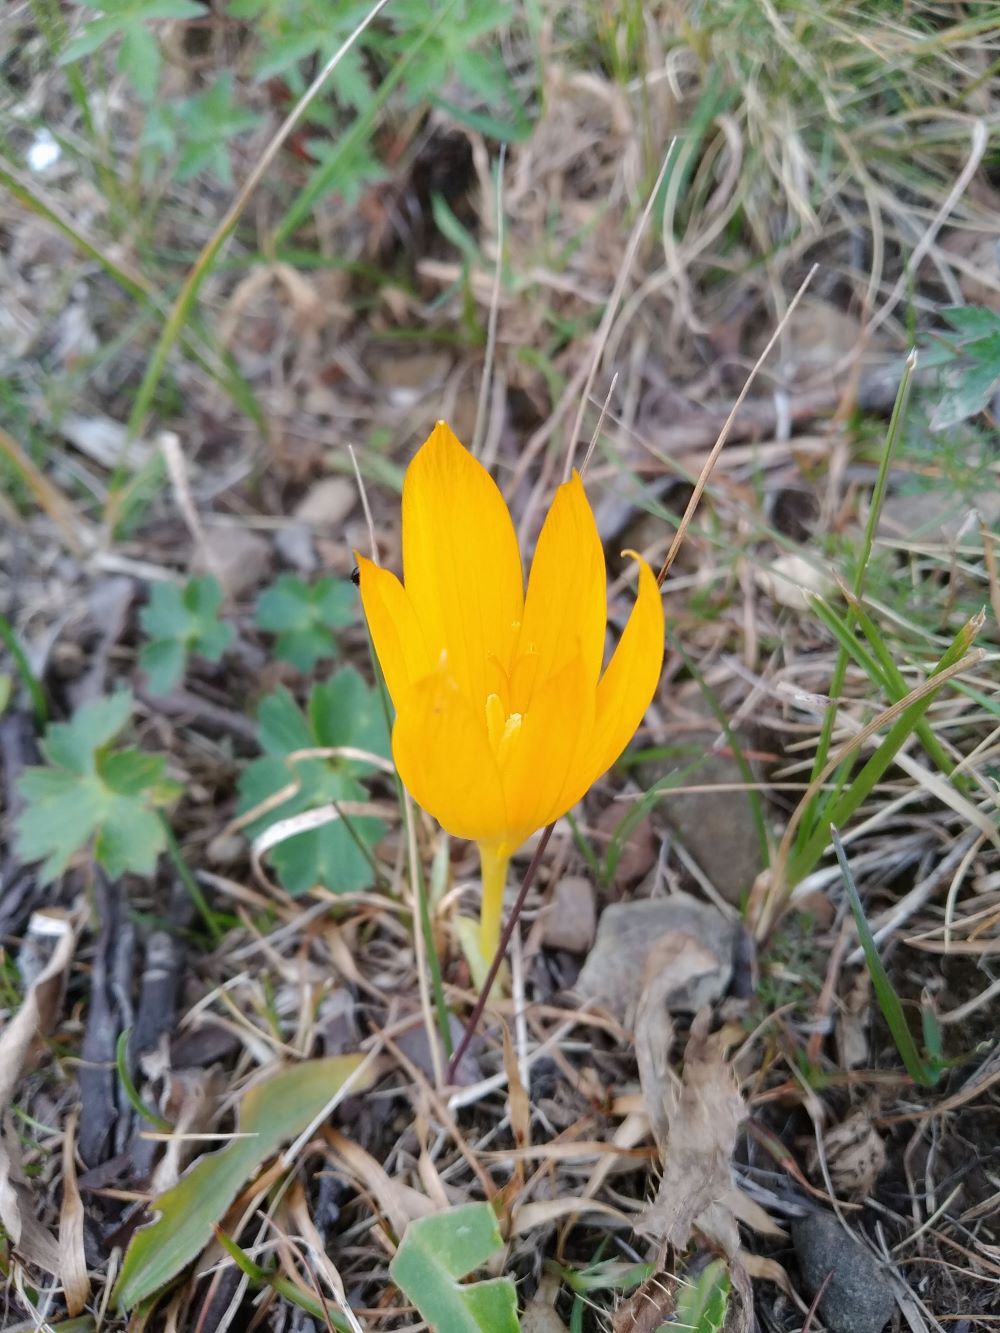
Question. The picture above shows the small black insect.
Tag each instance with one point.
(356, 576)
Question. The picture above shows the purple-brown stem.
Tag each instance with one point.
(501, 953)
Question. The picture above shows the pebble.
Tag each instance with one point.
(858, 1297)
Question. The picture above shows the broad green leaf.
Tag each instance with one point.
(302, 617)
(179, 622)
(341, 712)
(139, 59)
(436, 1252)
(967, 391)
(271, 1113)
(73, 745)
(972, 321)
(90, 792)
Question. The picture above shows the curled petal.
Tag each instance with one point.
(460, 562)
(399, 641)
(565, 611)
(626, 689)
(442, 753)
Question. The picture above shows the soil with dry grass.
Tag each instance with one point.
(660, 1097)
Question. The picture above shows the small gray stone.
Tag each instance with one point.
(571, 917)
(614, 971)
(858, 1297)
(295, 544)
(327, 503)
(240, 559)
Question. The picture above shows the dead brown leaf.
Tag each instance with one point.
(35, 1017)
(698, 1117)
(648, 1307)
(76, 1283)
(855, 1155)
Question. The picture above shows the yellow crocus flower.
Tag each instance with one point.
(504, 718)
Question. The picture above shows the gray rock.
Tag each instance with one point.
(571, 917)
(240, 559)
(614, 972)
(717, 828)
(327, 503)
(858, 1297)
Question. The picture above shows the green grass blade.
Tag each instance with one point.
(131, 1091)
(31, 681)
(888, 1000)
(702, 1304)
(846, 802)
(815, 813)
(283, 1286)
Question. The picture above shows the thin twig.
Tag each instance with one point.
(600, 425)
(364, 504)
(508, 931)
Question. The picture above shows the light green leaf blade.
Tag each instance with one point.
(163, 662)
(701, 1305)
(73, 744)
(272, 1113)
(438, 1250)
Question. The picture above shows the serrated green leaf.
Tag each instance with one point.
(341, 712)
(92, 793)
(270, 1114)
(972, 321)
(967, 392)
(303, 616)
(179, 622)
(438, 1250)
(88, 40)
(163, 662)
(139, 59)
(73, 745)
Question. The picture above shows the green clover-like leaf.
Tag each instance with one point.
(179, 622)
(303, 616)
(341, 712)
(91, 792)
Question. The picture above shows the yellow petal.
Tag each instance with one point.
(565, 611)
(626, 689)
(460, 562)
(397, 636)
(442, 753)
(538, 763)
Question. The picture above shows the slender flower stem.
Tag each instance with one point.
(491, 976)
(494, 862)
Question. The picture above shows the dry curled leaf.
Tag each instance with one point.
(699, 1116)
(76, 1283)
(35, 1017)
(855, 1156)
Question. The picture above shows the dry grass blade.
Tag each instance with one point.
(710, 461)
(611, 309)
(62, 513)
